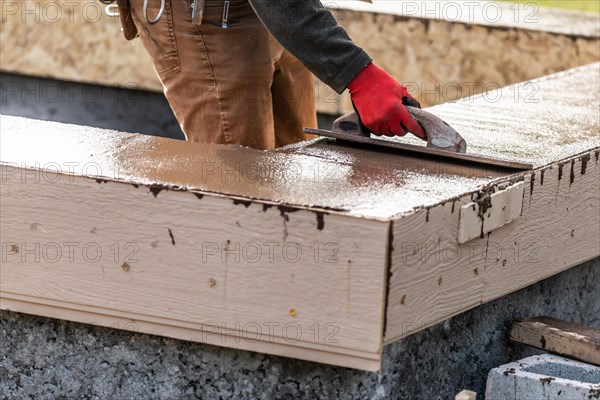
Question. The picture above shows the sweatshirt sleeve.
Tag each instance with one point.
(309, 31)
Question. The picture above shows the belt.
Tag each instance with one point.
(198, 12)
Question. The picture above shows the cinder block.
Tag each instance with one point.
(544, 377)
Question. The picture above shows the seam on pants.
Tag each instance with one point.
(215, 83)
(173, 41)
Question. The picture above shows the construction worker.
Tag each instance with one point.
(231, 74)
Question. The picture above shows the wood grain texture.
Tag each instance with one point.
(184, 266)
(433, 277)
(150, 236)
(490, 213)
(203, 334)
(557, 336)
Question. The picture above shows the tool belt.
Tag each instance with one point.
(125, 18)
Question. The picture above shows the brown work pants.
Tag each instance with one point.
(234, 85)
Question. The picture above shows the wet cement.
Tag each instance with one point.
(550, 119)
(540, 121)
(43, 358)
(320, 174)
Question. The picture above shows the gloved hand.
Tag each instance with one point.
(379, 100)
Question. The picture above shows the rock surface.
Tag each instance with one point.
(43, 358)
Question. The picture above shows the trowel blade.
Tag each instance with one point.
(439, 135)
(487, 161)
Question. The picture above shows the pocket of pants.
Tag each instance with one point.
(158, 39)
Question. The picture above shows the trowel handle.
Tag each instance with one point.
(351, 124)
(440, 135)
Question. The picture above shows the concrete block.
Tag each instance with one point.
(544, 377)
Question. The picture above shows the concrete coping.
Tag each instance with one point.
(539, 122)
(492, 14)
(385, 224)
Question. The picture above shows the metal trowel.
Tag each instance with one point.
(442, 140)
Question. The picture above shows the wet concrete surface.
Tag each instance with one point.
(319, 174)
(558, 121)
(540, 122)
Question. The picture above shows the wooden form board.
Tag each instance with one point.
(196, 267)
(162, 236)
(557, 336)
(433, 276)
(441, 268)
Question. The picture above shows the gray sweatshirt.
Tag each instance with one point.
(309, 31)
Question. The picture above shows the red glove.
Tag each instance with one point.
(379, 101)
